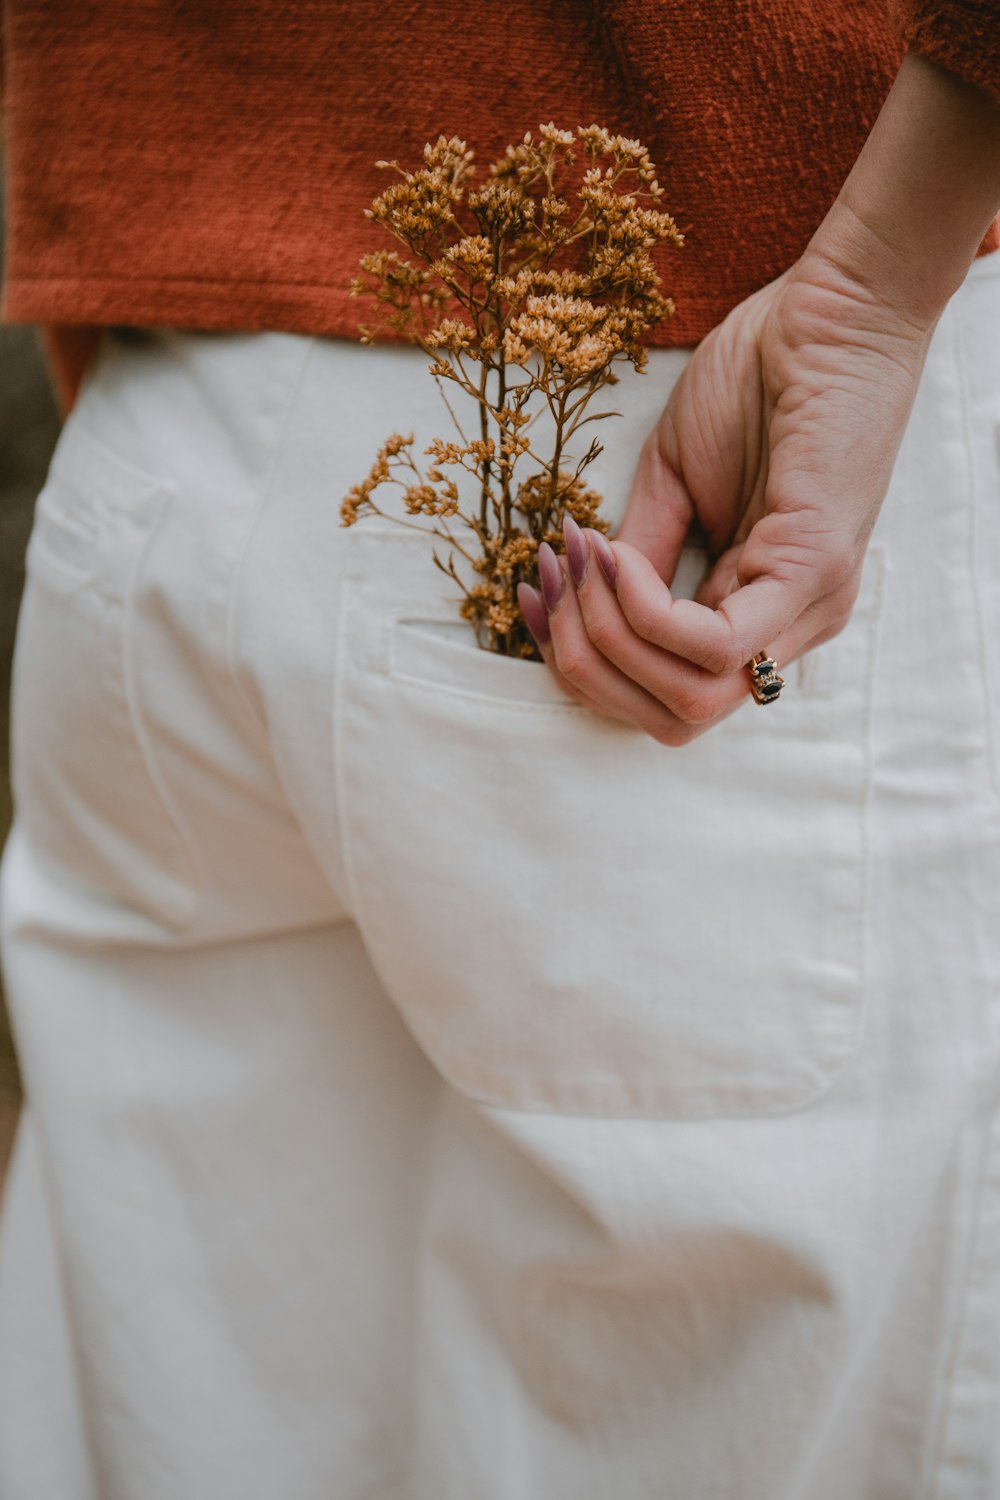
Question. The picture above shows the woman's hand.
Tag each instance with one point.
(776, 446)
(778, 441)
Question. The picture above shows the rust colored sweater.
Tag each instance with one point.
(206, 165)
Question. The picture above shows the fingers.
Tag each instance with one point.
(691, 697)
(580, 667)
(536, 617)
(594, 652)
(616, 640)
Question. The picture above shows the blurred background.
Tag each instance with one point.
(29, 426)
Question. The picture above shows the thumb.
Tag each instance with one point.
(659, 510)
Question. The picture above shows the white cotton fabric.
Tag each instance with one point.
(437, 1092)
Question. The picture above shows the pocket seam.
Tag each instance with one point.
(165, 495)
(440, 652)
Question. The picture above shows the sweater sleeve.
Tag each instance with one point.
(960, 35)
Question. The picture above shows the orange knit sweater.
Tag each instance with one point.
(207, 165)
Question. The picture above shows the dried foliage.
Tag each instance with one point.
(524, 291)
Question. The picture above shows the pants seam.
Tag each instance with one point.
(254, 717)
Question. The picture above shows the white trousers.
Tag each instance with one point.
(438, 1092)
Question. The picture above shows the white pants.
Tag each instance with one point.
(438, 1092)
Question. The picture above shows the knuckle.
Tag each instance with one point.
(643, 617)
(689, 733)
(574, 666)
(603, 635)
(725, 656)
(573, 693)
(837, 572)
(695, 706)
(675, 734)
(839, 622)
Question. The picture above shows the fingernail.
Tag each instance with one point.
(605, 556)
(577, 550)
(534, 613)
(551, 576)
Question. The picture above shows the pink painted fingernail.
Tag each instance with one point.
(534, 613)
(605, 556)
(577, 550)
(550, 574)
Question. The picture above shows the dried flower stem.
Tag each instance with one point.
(537, 286)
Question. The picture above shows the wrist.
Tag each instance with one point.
(914, 209)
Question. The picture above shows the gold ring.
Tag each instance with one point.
(765, 683)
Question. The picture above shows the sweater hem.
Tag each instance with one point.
(257, 306)
(222, 305)
(957, 36)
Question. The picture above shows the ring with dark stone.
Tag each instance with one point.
(765, 684)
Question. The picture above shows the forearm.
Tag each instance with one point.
(921, 195)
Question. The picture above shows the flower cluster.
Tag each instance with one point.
(524, 291)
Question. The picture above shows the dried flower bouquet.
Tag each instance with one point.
(524, 291)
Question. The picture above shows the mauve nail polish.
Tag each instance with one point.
(605, 556)
(577, 551)
(534, 613)
(550, 575)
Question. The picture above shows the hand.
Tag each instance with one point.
(777, 444)
(778, 441)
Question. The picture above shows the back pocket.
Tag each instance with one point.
(88, 788)
(573, 918)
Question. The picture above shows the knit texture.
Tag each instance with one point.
(960, 35)
(208, 166)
